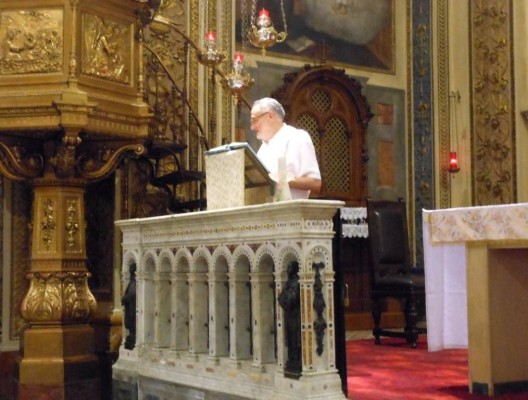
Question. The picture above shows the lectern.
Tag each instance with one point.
(235, 177)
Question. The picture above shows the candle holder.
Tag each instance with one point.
(453, 158)
(211, 56)
(453, 163)
(238, 80)
(264, 34)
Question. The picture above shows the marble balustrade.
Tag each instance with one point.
(208, 319)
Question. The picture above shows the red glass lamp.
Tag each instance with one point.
(453, 162)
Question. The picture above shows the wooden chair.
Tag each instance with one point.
(392, 276)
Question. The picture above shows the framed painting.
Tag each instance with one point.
(358, 33)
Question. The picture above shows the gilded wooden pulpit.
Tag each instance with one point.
(71, 107)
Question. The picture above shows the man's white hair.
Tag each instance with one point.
(270, 104)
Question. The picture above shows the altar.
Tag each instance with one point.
(208, 318)
(477, 291)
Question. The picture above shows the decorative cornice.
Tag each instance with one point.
(122, 125)
(239, 229)
(230, 226)
(24, 118)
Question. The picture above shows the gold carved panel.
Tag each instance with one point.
(72, 226)
(47, 218)
(31, 41)
(493, 103)
(106, 49)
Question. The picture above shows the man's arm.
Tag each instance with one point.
(306, 183)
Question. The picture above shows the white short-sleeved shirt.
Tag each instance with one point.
(297, 146)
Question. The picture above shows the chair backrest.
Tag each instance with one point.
(388, 241)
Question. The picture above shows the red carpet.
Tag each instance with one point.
(394, 371)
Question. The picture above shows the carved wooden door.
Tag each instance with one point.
(330, 106)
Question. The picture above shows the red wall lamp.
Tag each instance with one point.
(453, 162)
(453, 155)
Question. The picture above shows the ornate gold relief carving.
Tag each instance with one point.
(444, 117)
(16, 162)
(31, 41)
(79, 303)
(54, 297)
(106, 49)
(43, 300)
(493, 127)
(48, 224)
(72, 224)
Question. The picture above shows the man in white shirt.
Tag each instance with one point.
(280, 140)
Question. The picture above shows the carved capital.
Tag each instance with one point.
(58, 297)
(64, 161)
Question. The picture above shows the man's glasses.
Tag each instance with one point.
(255, 118)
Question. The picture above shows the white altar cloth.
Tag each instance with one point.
(445, 288)
(446, 234)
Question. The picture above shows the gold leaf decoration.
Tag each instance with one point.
(31, 41)
(107, 49)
